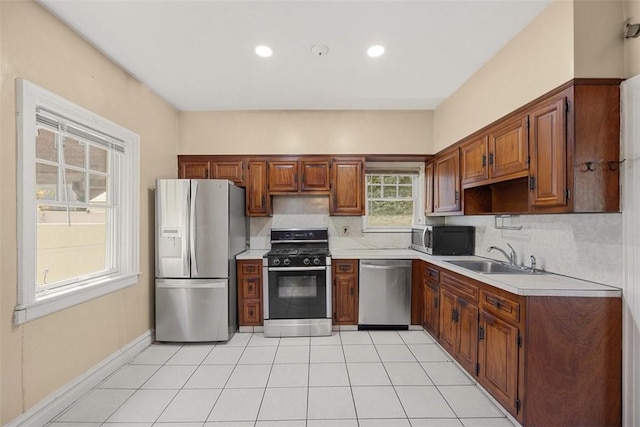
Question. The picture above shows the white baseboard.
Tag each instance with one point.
(57, 401)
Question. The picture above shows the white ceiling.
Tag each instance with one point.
(199, 55)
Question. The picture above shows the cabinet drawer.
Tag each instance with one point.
(345, 267)
(432, 274)
(251, 313)
(251, 287)
(501, 306)
(461, 287)
(251, 268)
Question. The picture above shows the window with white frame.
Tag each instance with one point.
(78, 204)
(393, 197)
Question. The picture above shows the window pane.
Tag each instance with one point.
(405, 179)
(46, 148)
(390, 192)
(374, 191)
(46, 182)
(74, 152)
(405, 191)
(390, 179)
(98, 159)
(373, 179)
(68, 250)
(97, 188)
(75, 186)
(391, 213)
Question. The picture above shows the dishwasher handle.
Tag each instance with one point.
(384, 267)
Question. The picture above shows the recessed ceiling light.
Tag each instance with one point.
(264, 51)
(375, 51)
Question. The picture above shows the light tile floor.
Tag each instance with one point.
(350, 379)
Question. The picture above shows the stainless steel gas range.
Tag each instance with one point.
(297, 283)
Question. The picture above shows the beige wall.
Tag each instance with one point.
(598, 42)
(569, 39)
(306, 132)
(534, 62)
(45, 354)
(632, 46)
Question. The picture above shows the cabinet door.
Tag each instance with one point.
(509, 148)
(548, 136)
(431, 294)
(467, 345)
(498, 360)
(448, 325)
(231, 170)
(347, 192)
(193, 170)
(428, 176)
(283, 176)
(345, 292)
(258, 202)
(473, 159)
(315, 175)
(446, 183)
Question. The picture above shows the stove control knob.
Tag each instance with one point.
(276, 261)
(287, 261)
(306, 261)
(316, 261)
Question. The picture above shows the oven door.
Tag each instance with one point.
(296, 293)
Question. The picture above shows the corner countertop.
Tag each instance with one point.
(525, 284)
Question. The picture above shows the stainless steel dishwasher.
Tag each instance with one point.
(385, 294)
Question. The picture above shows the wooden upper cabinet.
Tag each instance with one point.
(446, 182)
(347, 188)
(283, 176)
(293, 176)
(428, 176)
(548, 134)
(501, 153)
(474, 157)
(509, 149)
(258, 202)
(315, 175)
(196, 169)
(233, 170)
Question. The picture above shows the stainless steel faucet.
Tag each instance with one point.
(513, 258)
(533, 263)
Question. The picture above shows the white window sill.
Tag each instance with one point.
(56, 301)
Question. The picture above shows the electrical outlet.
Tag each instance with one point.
(345, 230)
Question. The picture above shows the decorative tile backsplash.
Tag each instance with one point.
(586, 246)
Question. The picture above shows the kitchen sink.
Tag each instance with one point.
(493, 267)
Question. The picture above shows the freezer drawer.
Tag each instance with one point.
(192, 310)
(385, 293)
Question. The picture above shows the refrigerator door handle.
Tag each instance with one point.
(192, 229)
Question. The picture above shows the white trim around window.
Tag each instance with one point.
(414, 168)
(125, 240)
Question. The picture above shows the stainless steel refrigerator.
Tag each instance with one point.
(200, 228)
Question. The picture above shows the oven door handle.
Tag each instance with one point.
(297, 268)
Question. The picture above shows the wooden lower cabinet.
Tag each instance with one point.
(249, 292)
(498, 360)
(345, 291)
(549, 361)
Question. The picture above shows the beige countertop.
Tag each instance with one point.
(525, 284)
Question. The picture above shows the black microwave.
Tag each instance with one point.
(444, 239)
